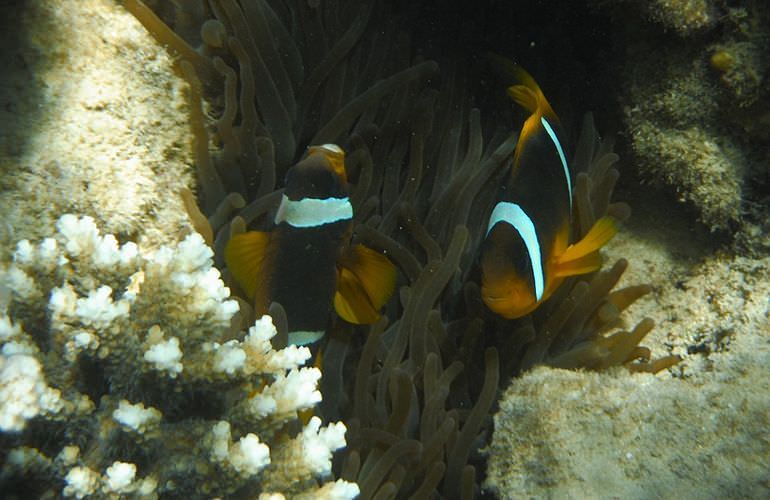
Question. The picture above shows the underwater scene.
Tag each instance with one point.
(384, 249)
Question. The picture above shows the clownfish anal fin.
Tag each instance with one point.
(365, 281)
(583, 257)
(244, 256)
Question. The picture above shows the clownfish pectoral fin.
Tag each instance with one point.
(350, 303)
(244, 255)
(583, 257)
(365, 281)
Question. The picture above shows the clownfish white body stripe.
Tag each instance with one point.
(560, 150)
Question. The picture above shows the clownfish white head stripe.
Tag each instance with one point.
(513, 215)
(313, 212)
(332, 148)
(563, 159)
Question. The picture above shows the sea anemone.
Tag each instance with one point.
(269, 79)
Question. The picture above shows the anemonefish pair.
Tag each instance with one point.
(527, 253)
(306, 262)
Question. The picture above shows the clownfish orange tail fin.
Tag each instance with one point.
(583, 257)
(244, 256)
(365, 281)
(527, 93)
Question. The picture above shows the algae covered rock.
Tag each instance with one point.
(93, 120)
(695, 102)
(614, 435)
(678, 137)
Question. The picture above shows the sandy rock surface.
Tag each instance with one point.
(94, 121)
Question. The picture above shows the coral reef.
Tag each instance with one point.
(128, 371)
(107, 352)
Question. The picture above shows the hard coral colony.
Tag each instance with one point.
(117, 346)
(156, 382)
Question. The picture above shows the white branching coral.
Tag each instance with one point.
(23, 391)
(137, 353)
(120, 476)
(248, 456)
(136, 417)
(81, 482)
(165, 355)
(308, 454)
(118, 479)
(288, 394)
(263, 358)
(318, 444)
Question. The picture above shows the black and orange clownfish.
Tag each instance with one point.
(526, 253)
(306, 262)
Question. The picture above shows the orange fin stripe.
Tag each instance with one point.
(244, 256)
(583, 265)
(351, 302)
(366, 280)
(601, 232)
(376, 272)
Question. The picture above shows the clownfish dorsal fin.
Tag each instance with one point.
(365, 281)
(583, 257)
(527, 94)
(244, 256)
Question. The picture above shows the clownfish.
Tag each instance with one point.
(526, 253)
(305, 261)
